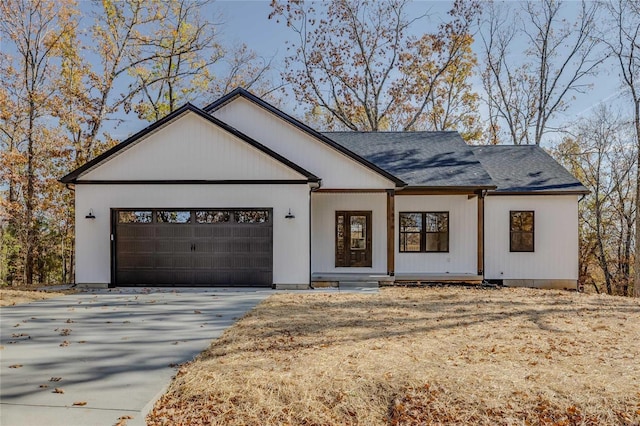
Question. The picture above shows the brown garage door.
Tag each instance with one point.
(193, 247)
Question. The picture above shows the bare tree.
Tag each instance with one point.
(625, 47)
(356, 67)
(561, 54)
(181, 51)
(598, 153)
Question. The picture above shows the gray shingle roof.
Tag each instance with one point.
(525, 168)
(426, 159)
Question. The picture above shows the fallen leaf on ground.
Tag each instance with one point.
(58, 390)
(15, 366)
(65, 343)
(80, 403)
(197, 312)
(122, 420)
(44, 386)
(55, 379)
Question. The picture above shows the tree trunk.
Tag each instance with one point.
(29, 201)
(636, 256)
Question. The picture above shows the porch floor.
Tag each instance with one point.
(439, 277)
(384, 279)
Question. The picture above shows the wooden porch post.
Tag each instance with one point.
(481, 233)
(391, 235)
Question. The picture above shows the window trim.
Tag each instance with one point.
(532, 232)
(423, 232)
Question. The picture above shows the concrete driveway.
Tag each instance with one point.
(113, 350)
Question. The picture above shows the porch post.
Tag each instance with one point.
(481, 196)
(391, 235)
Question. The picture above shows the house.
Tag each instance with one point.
(241, 194)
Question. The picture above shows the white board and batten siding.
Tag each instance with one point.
(463, 235)
(191, 148)
(323, 228)
(335, 168)
(290, 236)
(555, 240)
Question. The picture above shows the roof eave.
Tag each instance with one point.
(439, 189)
(542, 192)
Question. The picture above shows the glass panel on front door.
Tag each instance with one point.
(353, 239)
(358, 232)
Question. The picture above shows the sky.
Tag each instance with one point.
(247, 22)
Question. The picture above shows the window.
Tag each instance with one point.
(425, 232)
(173, 216)
(251, 216)
(138, 216)
(213, 216)
(521, 227)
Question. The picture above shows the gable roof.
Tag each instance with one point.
(526, 169)
(105, 156)
(240, 92)
(421, 159)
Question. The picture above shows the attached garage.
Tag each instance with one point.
(191, 201)
(193, 247)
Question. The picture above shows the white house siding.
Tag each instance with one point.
(336, 169)
(462, 257)
(323, 226)
(195, 149)
(290, 236)
(555, 240)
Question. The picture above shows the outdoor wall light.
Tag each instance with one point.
(90, 215)
(289, 215)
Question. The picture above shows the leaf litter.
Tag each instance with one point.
(414, 356)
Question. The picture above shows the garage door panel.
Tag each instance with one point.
(174, 231)
(202, 262)
(136, 246)
(137, 261)
(136, 277)
(130, 232)
(194, 247)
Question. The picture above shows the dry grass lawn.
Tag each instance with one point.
(16, 297)
(414, 356)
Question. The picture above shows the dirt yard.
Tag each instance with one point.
(414, 356)
(16, 297)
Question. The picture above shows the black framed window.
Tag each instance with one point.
(173, 216)
(213, 216)
(521, 231)
(424, 232)
(251, 216)
(135, 216)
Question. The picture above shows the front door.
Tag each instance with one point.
(353, 239)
